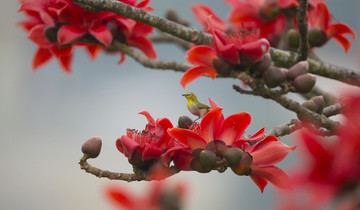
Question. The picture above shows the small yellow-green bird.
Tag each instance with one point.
(195, 107)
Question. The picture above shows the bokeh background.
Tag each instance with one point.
(46, 115)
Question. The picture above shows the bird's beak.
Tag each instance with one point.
(183, 94)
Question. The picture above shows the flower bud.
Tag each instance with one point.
(233, 156)
(185, 122)
(319, 103)
(316, 37)
(298, 69)
(91, 148)
(260, 67)
(217, 147)
(310, 105)
(304, 83)
(293, 37)
(197, 166)
(208, 159)
(222, 66)
(51, 34)
(274, 76)
(244, 165)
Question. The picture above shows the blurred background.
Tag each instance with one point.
(46, 115)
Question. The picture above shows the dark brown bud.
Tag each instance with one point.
(185, 122)
(91, 148)
(274, 76)
(217, 146)
(197, 166)
(222, 66)
(298, 69)
(51, 33)
(233, 156)
(304, 83)
(260, 67)
(317, 37)
(208, 159)
(319, 103)
(293, 37)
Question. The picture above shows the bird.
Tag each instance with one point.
(195, 107)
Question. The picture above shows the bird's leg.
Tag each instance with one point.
(196, 119)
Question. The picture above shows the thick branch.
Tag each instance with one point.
(303, 29)
(178, 30)
(117, 176)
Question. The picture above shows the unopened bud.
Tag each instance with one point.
(317, 37)
(185, 122)
(274, 76)
(293, 37)
(319, 103)
(298, 69)
(244, 165)
(218, 147)
(91, 148)
(208, 159)
(310, 105)
(222, 66)
(233, 156)
(51, 33)
(304, 83)
(197, 166)
(260, 67)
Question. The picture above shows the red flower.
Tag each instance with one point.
(226, 52)
(202, 12)
(260, 14)
(330, 168)
(265, 154)
(319, 18)
(159, 196)
(57, 25)
(148, 144)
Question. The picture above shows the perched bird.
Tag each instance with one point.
(195, 107)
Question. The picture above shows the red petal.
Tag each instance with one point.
(202, 12)
(259, 181)
(315, 148)
(233, 127)
(188, 137)
(339, 29)
(196, 72)
(213, 104)
(210, 123)
(41, 57)
(65, 62)
(258, 135)
(141, 30)
(69, 33)
(287, 3)
(201, 55)
(93, 50)
(59, 51)
(273, 174)
(151, 122)
(182, 160)
(102, 34)
(270, 153)
(343, 41)
(151, 152)
(126, 145)
(122, 58)
(37, 35)
(144, 45)
(166, 158)
(120, 197)
(322, 16)
(255, 50)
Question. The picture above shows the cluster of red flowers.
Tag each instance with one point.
(57, 26)
(214, 144)
(329, 174)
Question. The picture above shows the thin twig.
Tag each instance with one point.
(303, 29)
(119, 176)
(167, 38)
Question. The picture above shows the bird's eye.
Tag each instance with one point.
(189, 94)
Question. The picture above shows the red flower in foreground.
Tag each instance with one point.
(329, 173)
(217, 143)
(159, 196)
(58, 25)
(228, 51)
(321, 29)
(142, 148)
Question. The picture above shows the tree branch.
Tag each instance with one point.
(170, 39)
(119, 176)
(303, 29)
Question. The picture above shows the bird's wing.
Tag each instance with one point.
(203, 106)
